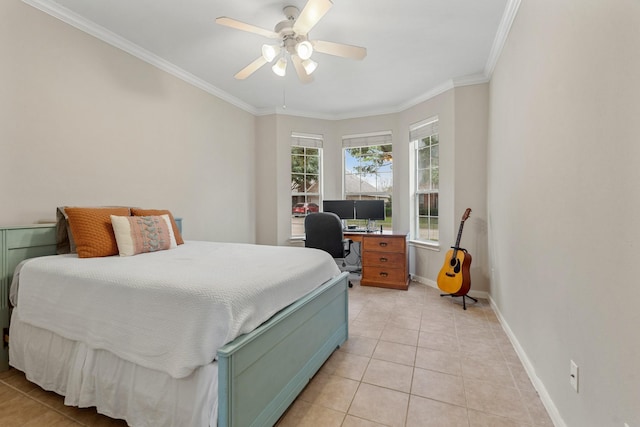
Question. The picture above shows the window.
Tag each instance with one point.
(426, 167)
(368, 170)
(306, 156)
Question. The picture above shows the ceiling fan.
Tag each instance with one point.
(293, 36)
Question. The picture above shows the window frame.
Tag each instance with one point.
(368, 140)
(305, 141)
(426, 129)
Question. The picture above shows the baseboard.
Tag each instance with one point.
(429, 282)
(526, 363)
(531, 372)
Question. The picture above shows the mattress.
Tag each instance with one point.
(168, 311)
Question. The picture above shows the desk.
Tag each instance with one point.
(385, 259)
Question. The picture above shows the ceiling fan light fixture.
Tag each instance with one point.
(269, 52)
(293, 41)
(304, 49)
(280, 67)
(309, 66)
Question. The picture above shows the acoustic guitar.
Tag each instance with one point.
(454, 277)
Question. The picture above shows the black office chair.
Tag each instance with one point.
(323, 230)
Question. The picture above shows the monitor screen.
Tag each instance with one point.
(342, 208)
(370, 209)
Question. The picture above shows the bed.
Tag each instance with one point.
(251, 382)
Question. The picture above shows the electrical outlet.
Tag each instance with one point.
(573, 375)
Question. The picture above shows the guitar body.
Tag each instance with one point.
(454, 277)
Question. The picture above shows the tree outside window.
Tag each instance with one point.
(368, 174)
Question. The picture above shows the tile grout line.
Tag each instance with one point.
(28, 395)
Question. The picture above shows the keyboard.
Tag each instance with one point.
(356, 230)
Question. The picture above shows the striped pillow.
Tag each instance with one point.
(141, 234)
(153, 212)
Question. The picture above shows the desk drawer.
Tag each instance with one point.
(383, 259)
(384, 244)
(384, 275)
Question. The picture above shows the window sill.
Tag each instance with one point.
(426, 245)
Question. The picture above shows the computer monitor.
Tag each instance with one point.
(370, 209)
(342, 208)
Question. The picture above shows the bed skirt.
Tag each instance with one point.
(117, 388)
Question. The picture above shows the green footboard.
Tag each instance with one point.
(261, 373)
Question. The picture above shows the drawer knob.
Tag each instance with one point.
(382, 259)
(383, 244)
(383, 274)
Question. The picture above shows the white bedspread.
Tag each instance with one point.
(169, 310)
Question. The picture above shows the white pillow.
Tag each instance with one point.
(140, 234)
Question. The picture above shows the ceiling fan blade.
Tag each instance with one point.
(313, 11)
(251, 68)
(238, 25)
(338, 49)
(302, 74)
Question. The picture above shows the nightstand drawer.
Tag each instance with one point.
(383, 259)
(384, 275)
(384, 244)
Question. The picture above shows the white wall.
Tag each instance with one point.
(266, 179)
(83, 123)
(563, 202)
(463, 135)
(471, 134)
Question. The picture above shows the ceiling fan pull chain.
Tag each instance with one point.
(284, 97)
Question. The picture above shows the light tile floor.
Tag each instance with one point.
(412, 359)
(417, 359)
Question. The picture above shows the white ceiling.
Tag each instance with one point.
(415, 48)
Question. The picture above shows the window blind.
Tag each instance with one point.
(423, 129)
(365, 140)
(306, 140)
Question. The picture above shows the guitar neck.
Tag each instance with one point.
(457, 246)
(464, 218)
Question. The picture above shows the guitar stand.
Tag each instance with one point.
(464, 302)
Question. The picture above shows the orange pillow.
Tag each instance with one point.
(158, 212)
(92, 230)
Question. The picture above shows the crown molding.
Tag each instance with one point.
(438, 90)
(473, 79)
(51, 8)
(101, 33)
(314, 115)
(509, 15)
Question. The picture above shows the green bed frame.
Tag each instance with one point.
(260, 373)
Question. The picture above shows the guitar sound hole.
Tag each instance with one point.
(455, 265)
